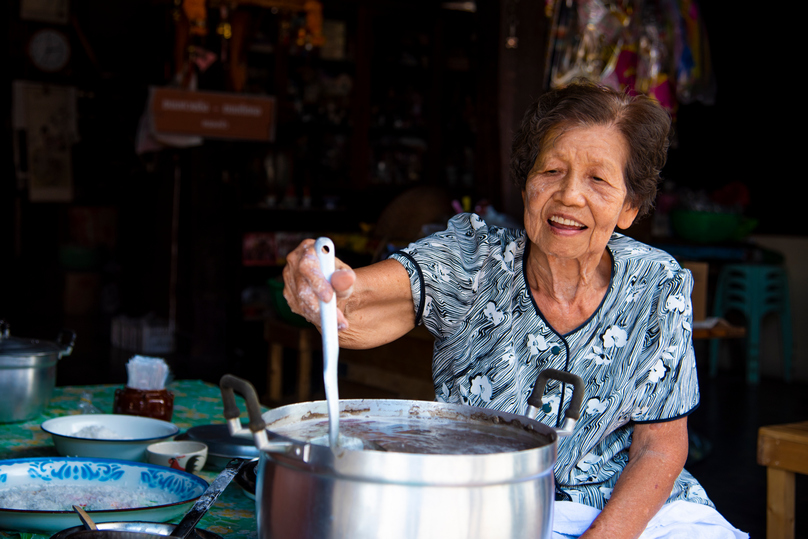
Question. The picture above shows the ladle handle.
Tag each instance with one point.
(328, 327)
(328, 309)
(208, 498)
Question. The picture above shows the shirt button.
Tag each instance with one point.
(555, 350)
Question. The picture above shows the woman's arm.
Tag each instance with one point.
(374, 303)
(656, 457)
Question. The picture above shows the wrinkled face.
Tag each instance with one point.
(575, 195)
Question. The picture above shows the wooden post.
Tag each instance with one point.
(304, 365)
(275, 373)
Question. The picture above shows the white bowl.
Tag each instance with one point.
(118, 436)
(186, 456)
(171, 492)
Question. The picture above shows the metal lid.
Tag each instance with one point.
(21, 347)
(221, 443)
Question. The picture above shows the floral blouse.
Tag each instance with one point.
(635, 353)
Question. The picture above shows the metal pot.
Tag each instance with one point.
(28, 373)
(429, 470)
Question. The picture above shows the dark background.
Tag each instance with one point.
(748, 135)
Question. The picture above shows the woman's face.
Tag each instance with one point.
(575, 194)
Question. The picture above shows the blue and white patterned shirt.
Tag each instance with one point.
(635, 353)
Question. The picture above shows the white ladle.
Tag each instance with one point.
(328, 327)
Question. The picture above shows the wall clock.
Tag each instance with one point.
(49, 50)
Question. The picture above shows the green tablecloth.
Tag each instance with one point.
(195, 403)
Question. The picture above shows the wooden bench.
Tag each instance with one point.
(783, 449)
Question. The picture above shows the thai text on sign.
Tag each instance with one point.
(213, 114)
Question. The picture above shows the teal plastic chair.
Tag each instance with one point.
(755, 290)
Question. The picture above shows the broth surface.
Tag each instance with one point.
(430, 435)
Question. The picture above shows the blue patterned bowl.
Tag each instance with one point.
(167, 493)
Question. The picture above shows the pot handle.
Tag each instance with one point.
(229, 386)
(68, 337)
(573, 412)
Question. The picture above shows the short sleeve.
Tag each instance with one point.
(444, 271)
(669, 388)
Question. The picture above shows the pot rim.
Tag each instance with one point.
(419, 468)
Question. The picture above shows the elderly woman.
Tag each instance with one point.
(568, 293)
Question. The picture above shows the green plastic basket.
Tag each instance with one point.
(710, 227)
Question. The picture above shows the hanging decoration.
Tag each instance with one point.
(197, 13)
(224, 30)
(314, 23)
(511, 42)
(653, 47)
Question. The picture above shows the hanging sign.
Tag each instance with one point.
(212, 114)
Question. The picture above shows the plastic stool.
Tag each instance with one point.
(755, 290)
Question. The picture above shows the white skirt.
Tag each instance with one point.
(675, 520)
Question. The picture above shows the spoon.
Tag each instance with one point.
(85, 518)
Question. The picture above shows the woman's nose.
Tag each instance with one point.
(570, 191)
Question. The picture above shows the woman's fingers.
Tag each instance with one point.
(305, 286)
(342, 281)
(302, 281)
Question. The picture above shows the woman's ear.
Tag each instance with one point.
(627, 215)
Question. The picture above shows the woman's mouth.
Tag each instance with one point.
(565, 224)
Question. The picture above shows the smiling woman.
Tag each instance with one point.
(566, 293)
(576, 193)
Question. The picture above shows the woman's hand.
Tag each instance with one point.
(305, 285)
(656, 457)
(374, 304)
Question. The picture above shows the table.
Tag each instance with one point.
(717, 329)
(783, 449)
(195, 403)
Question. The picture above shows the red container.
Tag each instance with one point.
(155, 403)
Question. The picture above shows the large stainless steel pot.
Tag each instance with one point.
(28, 373)
(495, 482)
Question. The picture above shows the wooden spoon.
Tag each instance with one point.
(85, 518)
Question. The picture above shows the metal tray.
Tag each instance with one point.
(248, 477)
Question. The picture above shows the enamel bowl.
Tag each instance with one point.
(118, 436)
(159, 494)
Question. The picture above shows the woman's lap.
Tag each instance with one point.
(674, 520)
